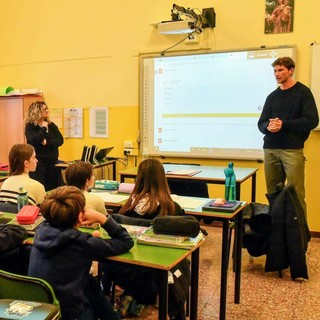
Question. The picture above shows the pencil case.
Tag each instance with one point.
(28, 214)
(106, 184)
(185, 226)
(126, 187)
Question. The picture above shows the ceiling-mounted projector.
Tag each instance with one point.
(176, 27)
(186, 20)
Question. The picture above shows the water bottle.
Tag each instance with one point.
(22, 199)
(230, 183)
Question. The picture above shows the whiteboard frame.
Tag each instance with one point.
(314, 82)
(146, 112)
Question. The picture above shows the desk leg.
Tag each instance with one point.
(194, 285)
(163, 296)
(238, 255)
(238, 190)
(114, 170)
(224, 270)
(253, 187)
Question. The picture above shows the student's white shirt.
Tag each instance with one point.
(10, 189)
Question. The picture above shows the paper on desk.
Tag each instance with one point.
(183, 172)
(188, 202)
(110, 197)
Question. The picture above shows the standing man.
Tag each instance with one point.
(288, 116)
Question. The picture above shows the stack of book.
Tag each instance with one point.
(149, 237)
(228, 206)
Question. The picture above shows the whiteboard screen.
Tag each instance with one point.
(206, 105)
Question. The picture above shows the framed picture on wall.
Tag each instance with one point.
(279, 16)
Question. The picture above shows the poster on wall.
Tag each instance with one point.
(73, 123)
(99, 127)
(279, 16)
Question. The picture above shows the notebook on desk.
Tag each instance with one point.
(229, 206)
(183, 172)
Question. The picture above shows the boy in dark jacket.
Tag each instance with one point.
(11, 237)
(62, 254)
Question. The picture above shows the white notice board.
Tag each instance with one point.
(99, 126)
(315, 74)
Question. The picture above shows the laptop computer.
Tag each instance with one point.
(92, 157)
(85, 154)
(102, 154)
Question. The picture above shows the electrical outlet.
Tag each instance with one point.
(128, 144)
(131, 152)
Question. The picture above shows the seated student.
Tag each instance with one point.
(149, 198)
(11, 237)
(62, 254)
(151, 195)
(80, 175)
(22, 160)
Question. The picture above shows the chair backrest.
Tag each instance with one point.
(188, 187)
(8, 207)
(19, 287)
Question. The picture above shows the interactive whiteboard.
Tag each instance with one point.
(206, 105)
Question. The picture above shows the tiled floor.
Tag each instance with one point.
(264, 296)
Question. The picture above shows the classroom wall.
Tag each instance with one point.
(86, 53)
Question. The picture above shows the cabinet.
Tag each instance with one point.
(12, 110)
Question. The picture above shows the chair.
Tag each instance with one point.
(25, 288)
(189, 188)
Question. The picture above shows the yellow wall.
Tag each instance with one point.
(86, 53)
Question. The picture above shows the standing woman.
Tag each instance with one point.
(45, 137)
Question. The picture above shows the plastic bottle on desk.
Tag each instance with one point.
(22, 199)
(230, 183)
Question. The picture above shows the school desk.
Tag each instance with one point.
(193, 206)
(162, 259)
(207, 174)
(102, 166)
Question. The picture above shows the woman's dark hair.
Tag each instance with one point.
(151, 181)
(78, 173)
(62, 206)
(18, 154)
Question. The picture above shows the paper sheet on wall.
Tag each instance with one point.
(73, 123)
(99, 127)
(56, 116)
